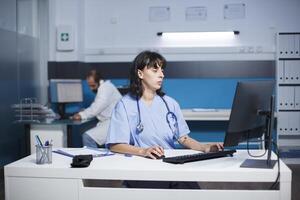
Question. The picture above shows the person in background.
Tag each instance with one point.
(146, 121)
(107, 95)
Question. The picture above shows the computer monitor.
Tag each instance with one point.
(252, 116)
(64, 91)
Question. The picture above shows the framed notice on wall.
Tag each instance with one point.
(195, 13)
(234, 11)
(159, 14)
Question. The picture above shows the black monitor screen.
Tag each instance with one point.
(245, 121)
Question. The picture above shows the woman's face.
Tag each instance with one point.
(152, 77)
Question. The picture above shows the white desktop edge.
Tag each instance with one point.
(25, 178)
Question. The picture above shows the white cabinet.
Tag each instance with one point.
(288, 91)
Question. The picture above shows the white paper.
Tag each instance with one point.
(83, 151)
(69, 92)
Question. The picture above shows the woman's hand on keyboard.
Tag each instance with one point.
(215, 147)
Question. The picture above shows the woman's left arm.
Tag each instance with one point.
(195, 145)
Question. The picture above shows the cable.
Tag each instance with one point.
(275, 184)
(254, 156)
(277, 152)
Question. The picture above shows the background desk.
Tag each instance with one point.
(60, 131)
(26, 180)
(206, 114)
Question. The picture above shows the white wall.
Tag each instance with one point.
(117, 30)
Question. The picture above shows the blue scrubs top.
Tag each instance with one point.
(125, 118)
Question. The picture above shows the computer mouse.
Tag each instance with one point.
(156, 156)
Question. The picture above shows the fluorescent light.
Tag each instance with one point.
(199, 35)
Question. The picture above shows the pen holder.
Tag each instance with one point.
(43, 154)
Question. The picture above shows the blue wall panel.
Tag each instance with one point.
(191, 93)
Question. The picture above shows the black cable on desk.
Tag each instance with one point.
(277, 152)
(275, 184)
(254, 156)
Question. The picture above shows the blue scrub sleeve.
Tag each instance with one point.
(119, 130)
(182, 125)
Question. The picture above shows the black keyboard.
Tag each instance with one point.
(198, 156)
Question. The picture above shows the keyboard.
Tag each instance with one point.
(198, 156)
(67, 115)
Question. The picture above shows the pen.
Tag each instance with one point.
(103, 155)
(39, 140)
(43, 151)
(63, 153)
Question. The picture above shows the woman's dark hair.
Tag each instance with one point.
(144, 59)
(95, 74)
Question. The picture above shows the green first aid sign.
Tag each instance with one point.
(64, 37)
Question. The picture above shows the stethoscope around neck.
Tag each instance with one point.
(170, 118)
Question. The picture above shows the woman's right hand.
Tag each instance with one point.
(152, 151)
(76, 117)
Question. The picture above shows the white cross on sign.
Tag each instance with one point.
(64, 37)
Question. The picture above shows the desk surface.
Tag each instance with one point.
(57, 121)
(120, 167)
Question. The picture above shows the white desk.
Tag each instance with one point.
(26, 180)
(206, 114)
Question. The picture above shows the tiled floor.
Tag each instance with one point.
(295, 182)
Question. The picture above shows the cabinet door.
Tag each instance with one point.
(282, 123)
(280, 71)
(286, 98)
(297, 98)
(286, 46)
(294, 122)
(292, 71)
(297, 45)
(17, 188)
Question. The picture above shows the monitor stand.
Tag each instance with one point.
(61, 110)
(255, 163)
(264, 163)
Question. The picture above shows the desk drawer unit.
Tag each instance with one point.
(25, 188)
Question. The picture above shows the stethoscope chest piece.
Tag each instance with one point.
(140, 127)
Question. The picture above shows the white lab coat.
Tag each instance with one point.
(106, 98)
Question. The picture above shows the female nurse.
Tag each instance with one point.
(146, 121)
(139, 123)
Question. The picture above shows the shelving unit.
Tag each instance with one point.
(29, 110)
(288, 95)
